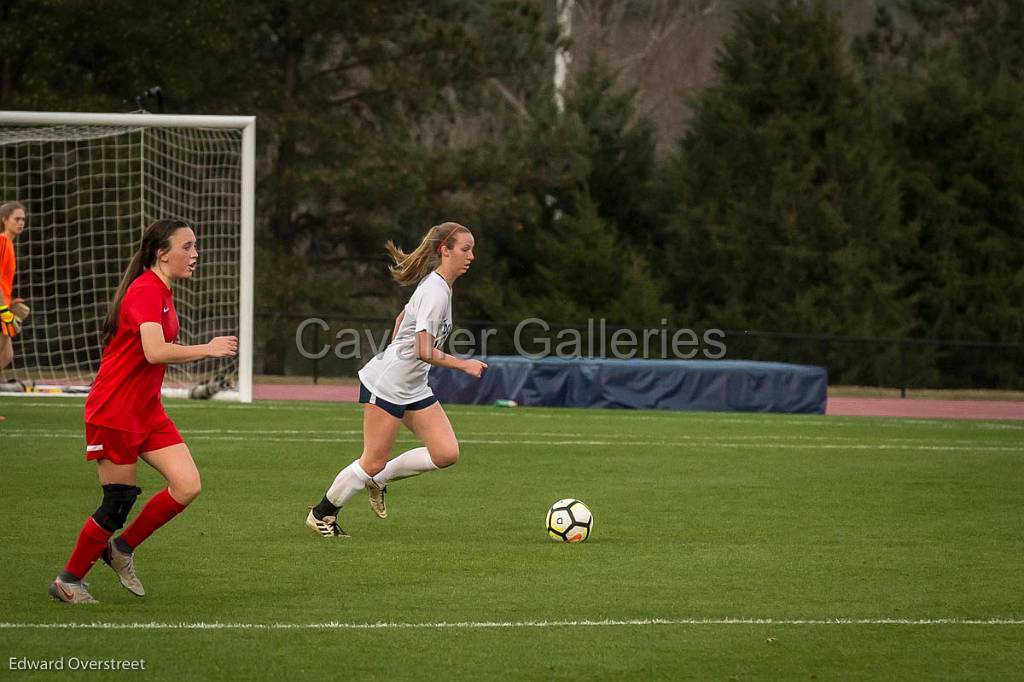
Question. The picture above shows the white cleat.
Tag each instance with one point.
(377, 503)
(124, 566)
(327, 526)
(70, 592)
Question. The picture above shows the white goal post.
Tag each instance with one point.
(90, 184)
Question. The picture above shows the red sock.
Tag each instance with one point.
(91, 542)
(160, 509)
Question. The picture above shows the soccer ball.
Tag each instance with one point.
(569, 520)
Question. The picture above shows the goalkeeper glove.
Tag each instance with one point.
(10, 325)
(20, 309)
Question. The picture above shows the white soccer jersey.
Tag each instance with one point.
(396, 374)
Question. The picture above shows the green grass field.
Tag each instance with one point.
(726, 546)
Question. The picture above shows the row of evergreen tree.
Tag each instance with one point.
(827, 183)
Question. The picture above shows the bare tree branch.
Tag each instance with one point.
(510, 97)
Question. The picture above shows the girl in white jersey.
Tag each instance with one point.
(393, 385)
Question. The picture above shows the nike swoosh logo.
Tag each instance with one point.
(69, 595)
(166, 309)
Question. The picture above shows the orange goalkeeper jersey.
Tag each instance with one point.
(6, 268)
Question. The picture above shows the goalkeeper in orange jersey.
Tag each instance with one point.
(12, 310)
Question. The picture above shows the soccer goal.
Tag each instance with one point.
(90, 184)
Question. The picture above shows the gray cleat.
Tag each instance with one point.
(124, 565)
(70, 592)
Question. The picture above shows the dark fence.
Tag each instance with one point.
(335, 345)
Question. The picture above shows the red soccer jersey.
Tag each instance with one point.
(126, 392)
(7, 268)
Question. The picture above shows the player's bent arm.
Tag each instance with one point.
(426, 352)
(160, 352)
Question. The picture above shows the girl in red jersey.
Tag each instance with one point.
(124, 418)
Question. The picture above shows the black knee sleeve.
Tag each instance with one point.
(118, 499)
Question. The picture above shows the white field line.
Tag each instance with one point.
(468, 433)
(1000, 426)
(678, 444)
(75, 402)
(482, 625)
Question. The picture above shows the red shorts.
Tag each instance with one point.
(124, 447)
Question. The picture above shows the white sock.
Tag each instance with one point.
(410, 463)
(350, 482)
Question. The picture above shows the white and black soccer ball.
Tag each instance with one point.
(569, 520)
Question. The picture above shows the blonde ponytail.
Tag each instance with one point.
(410, 268)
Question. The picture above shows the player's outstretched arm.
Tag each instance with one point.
(160, 352)
(426, 352)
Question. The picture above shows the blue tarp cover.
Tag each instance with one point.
(699, 385)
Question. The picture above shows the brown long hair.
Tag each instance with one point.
(410, 268)
(155, 239)
(7, 209)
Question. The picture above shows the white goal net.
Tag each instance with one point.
(90, 185)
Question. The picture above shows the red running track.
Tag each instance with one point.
(921, 408)
(305, 392)
(862, 407)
